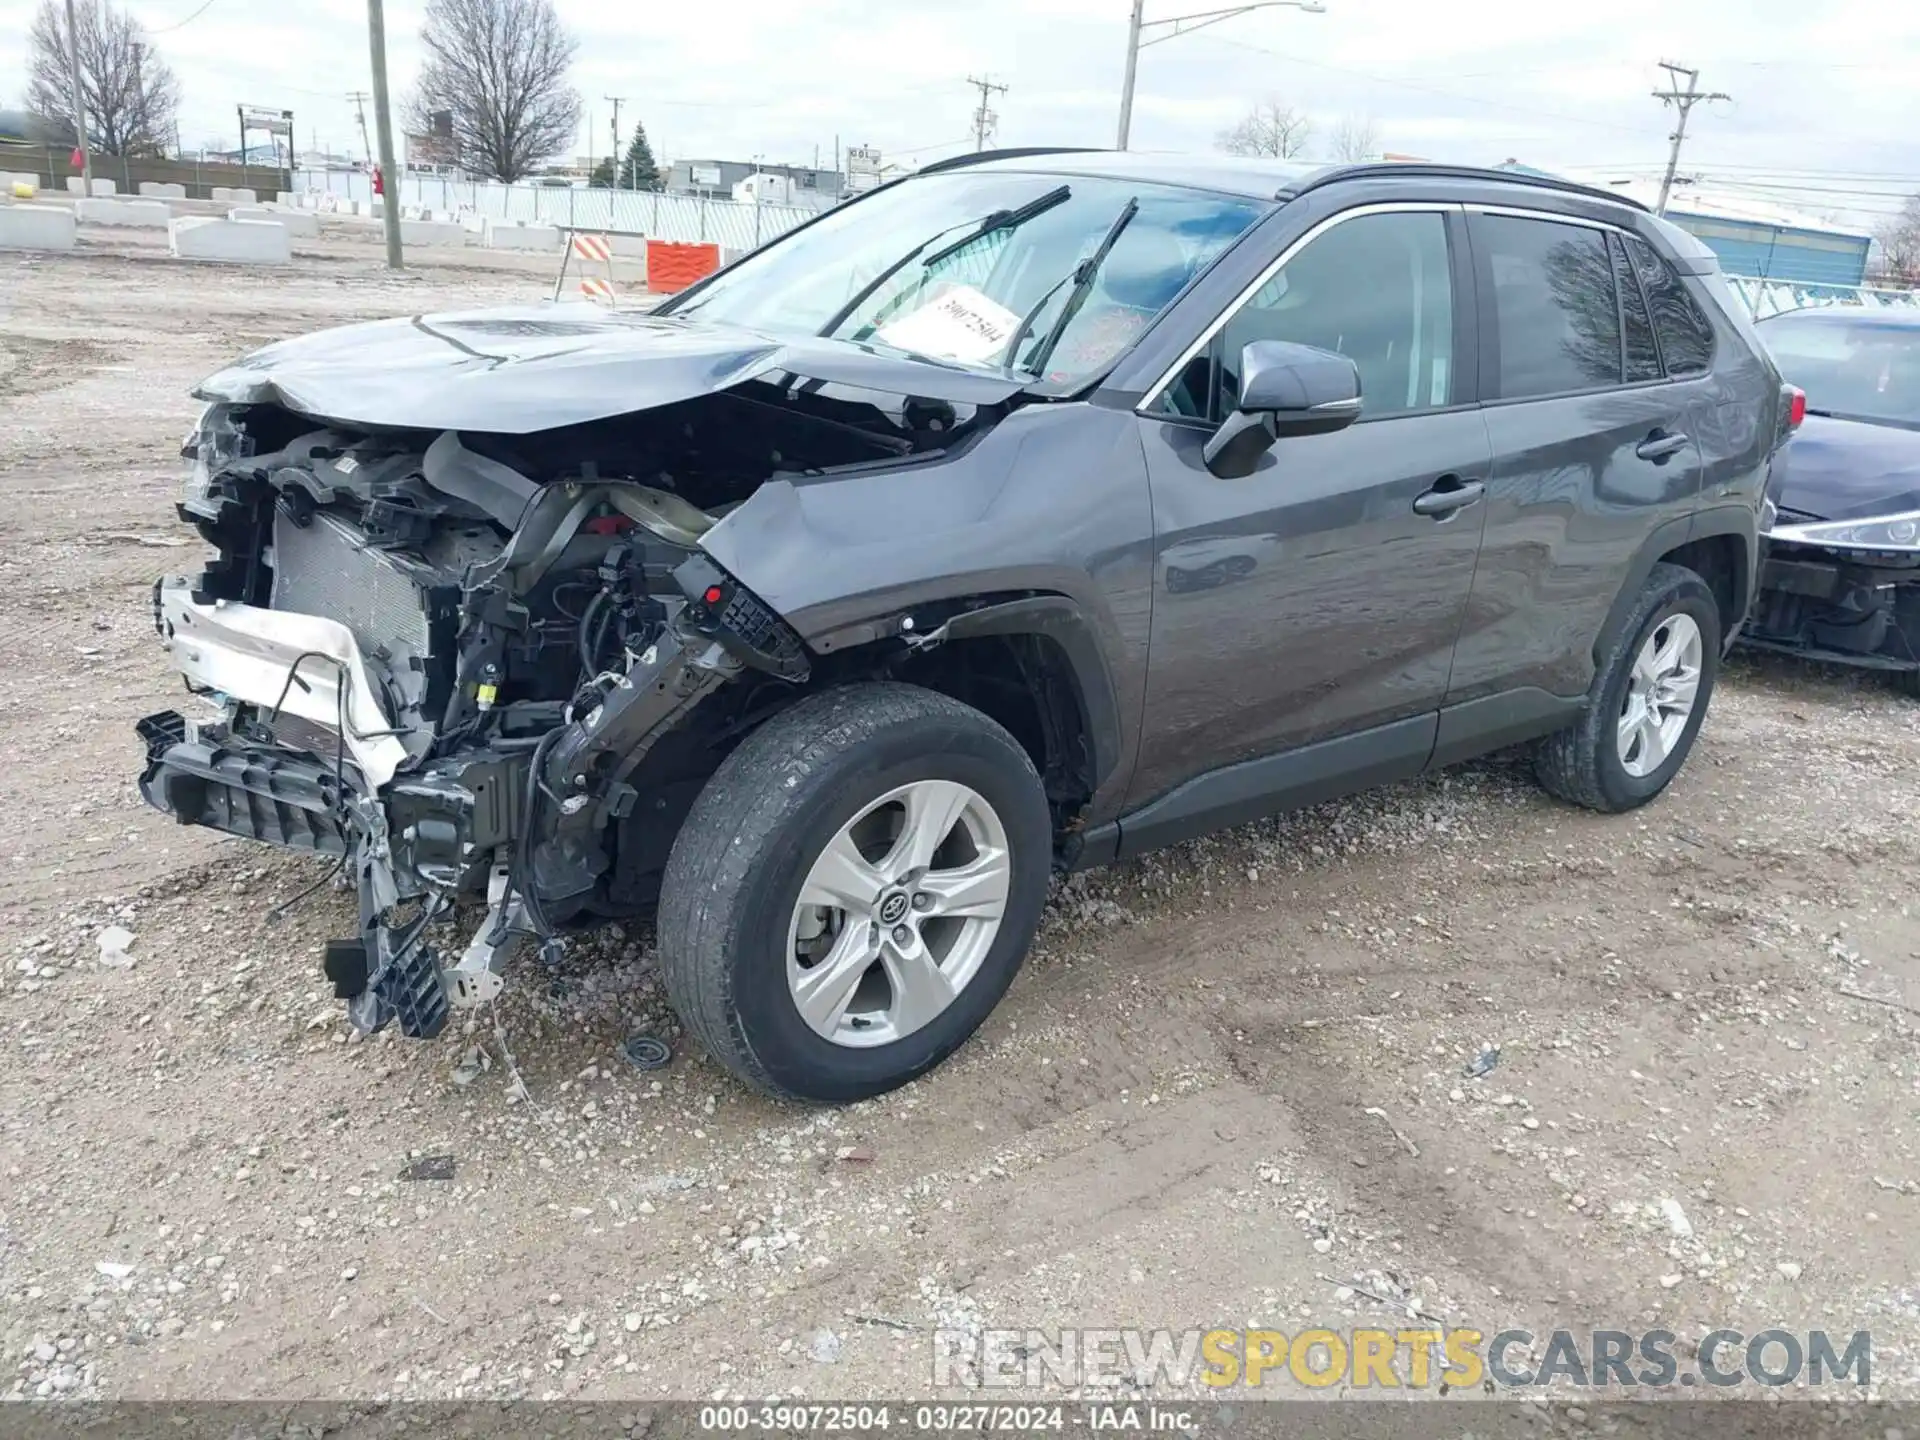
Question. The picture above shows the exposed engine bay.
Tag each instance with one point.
(484, 663)
(1846, 604)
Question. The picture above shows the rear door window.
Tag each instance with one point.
(1555, 304)
(1686, 339)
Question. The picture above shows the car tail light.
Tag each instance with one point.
(1796, 406)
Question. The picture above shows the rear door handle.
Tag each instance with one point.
(1660, 445)
(1449, 493)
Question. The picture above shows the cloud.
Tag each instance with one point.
(1476, 81)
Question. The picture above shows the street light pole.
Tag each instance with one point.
(1133, 66)
(383, 131)
(80, 142)
(1183, 25)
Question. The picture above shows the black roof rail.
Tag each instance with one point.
(1457, 172)
(978, 157)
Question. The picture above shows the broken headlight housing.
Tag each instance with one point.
(215, 442)
(1879, 532)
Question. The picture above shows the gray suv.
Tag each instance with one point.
(1030, 513)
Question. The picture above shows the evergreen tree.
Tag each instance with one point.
(639, 170)
(602, 176)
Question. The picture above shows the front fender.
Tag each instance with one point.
(1048, 508)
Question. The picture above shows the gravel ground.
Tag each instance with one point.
(1199, 1106)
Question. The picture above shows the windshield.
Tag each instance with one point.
(1858, 369)
(979, 267)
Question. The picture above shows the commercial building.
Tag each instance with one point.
(715, 179)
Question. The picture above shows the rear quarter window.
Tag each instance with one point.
(1685, 335)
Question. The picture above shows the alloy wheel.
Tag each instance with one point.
(897, 913)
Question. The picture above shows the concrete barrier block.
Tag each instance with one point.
(250, 241)
(153, 214)
(220, 192)
(240, 195)
(160, 190)
(36, 227)
(296, 224)
(432, 233)
(522, 237)
(76, 185)
(103, 187)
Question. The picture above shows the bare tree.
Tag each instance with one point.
(130, 96)
(1899, 241)
(1354, 139)
(500, 67)
(1269, 128)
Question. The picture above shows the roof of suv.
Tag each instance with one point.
(1254, 176)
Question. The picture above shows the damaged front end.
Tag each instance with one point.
(470, 663)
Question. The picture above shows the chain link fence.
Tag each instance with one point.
(732, 224)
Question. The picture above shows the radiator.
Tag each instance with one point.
(324, 568)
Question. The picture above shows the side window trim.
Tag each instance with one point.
(1615, 246)
(1632, 273)
(1155, 394)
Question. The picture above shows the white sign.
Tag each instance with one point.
(704, 174)
(960, 322)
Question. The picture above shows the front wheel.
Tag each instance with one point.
(854, 890)
(1649, 697)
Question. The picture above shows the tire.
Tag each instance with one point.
(1907, 682)
(1584, 764)
(730, 898)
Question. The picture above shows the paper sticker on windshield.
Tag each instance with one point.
(960, 322)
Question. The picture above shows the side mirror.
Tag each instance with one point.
(1285, 389)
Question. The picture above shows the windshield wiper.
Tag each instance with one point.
(1000, 220)
(1082, 276)
(988, 225)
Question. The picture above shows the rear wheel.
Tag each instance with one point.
(854, 890)
(1648, 700)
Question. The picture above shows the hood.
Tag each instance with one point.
(516, 370)
(1850, 469)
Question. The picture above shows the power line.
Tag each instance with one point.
(985, 121)
(164, 29)
(1683, 101)
(1396, 81)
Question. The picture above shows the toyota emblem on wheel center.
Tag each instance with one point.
(893, 909)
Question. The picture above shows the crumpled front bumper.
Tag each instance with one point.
(303, 665)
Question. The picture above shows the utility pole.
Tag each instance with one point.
(1683, 101)
(984, 120)
(360, 98)
(80, 141)
(383, 126)
(617, 157)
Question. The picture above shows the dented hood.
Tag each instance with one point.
(516, 370)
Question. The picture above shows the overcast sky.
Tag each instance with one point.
(1824, 96)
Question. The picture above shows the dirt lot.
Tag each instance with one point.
(1714, 1002)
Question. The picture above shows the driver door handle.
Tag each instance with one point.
(1449, 494)
(1660, 445)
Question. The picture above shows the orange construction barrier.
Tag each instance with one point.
(672, 266)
